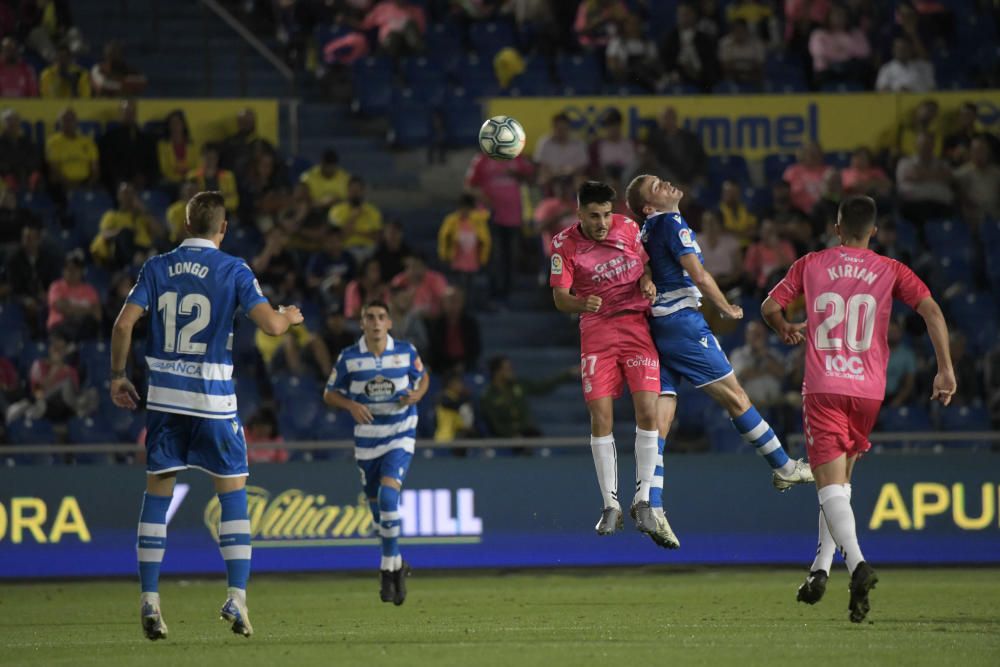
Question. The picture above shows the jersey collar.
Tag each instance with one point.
(389, 344)
(198, 243)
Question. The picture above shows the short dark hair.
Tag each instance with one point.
(633, 197)
(206, 212)
(467, 200)
(330, 156)
(857, 216)
(595, 192)
(562, 116)
(611, 117)
(376, 303)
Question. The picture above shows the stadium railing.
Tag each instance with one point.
(923, 440)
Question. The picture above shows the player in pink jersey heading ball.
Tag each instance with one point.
(848, 292)
(598, 269)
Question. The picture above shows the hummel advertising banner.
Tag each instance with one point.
(504, 512)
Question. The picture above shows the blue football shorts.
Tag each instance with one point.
(395, 463)
(177, 442)
(688, 351)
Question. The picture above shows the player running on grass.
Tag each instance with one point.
(380, 380)
(598, 269)
(192, 294)
(687, 348)
(848, 294)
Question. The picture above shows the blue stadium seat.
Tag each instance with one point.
(462, 123)
(98, 277)
(244, 241)
(333, 425)
(289, 387)
(373, 83)
(488, 37)
(38, 203)
(410, 122)
(966, 418)
(906, 235)
(296, 166)
(443, 40)
(581, 72)
(31, 432)
(12, 342)
(11, 315)
(905, 418)
(297, 416)
(948, 236)
(157, 202)
(950, 271)
(729, 167)
(735, 88)
(775, 165)
(970, 307)
(94, 363)
(91, 430)
(722, 437)
(32, 350)
(843, 87)
(838, 159)
(87, 207)
(757, 200)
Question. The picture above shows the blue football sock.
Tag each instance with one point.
(234, 537)
(759, 433)
(389, 522)
(656, 489)
(152, 540)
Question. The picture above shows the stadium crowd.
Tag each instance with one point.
(79, 215)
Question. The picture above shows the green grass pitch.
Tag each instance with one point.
(609, 617)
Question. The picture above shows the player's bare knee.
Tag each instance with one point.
(391, 482)
(646, 415)
(229, 484)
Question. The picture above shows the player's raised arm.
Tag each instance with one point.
(275, 322)
(706, 284)
(945, 384)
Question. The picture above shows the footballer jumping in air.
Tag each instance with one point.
(192, 294)
(601, 259)
(687, 348)
(848, 292)
(380, 380)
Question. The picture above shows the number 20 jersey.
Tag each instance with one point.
(191, 294)
(848, 300)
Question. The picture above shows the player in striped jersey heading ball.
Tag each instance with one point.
(380, 380)
(192, 294)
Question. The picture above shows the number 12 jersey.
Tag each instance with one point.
(192, 294)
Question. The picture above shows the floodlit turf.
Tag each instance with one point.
(627, 618)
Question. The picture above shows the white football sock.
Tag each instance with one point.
(646, 455)
(827, 546)
(836, 506)
(606, 463)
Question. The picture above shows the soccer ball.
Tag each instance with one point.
(501, 138)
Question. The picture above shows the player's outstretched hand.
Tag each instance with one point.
(292, 313)
(733, 312)
(592, 304)
(945, 387)
(123, 394)
(361, 413)
(792, 334)
(410, 398)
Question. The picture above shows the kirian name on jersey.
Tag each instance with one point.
(194, 268)
(855, 272)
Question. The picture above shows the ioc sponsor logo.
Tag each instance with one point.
(838, 363)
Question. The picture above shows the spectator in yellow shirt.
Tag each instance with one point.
(176, 153)
(285, 353)
(209, 176)
(71, 156)
(126, 234)
(464, 240)
(327, 181)
(735, 216)
(359, 221)
(64, 78)
(177, 212)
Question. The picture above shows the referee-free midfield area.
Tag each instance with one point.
(710, 617)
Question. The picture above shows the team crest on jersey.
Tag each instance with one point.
(685, 236)
(379, 388)
(557, 264)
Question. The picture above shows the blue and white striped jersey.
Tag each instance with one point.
(192, 294)
(667, 238)
(379, 383)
